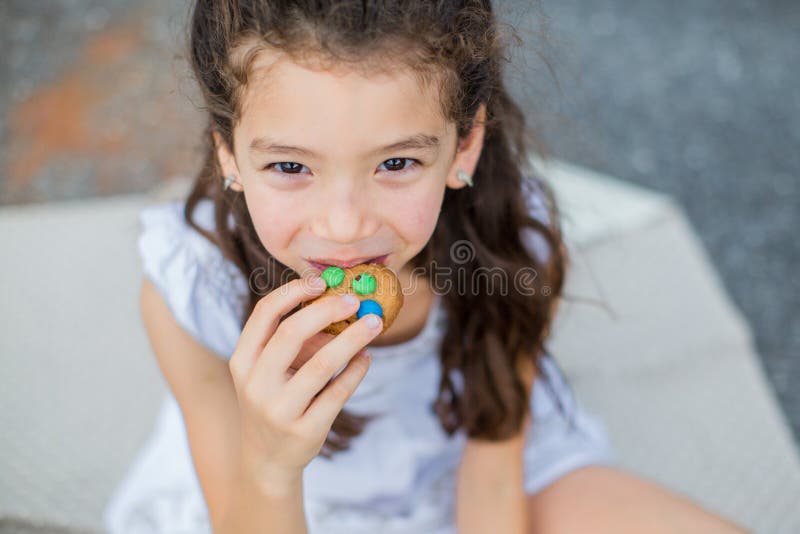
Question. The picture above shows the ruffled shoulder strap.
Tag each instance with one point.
(205, 291)
(536, 204)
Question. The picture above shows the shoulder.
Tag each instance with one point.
(204, 291)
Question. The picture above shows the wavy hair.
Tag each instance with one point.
(459, 46)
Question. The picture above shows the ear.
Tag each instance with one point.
(227, 162)
(469, 150)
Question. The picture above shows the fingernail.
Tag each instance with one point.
(350, 300)
(316, 282)
(373, 321)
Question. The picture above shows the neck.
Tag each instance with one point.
(413, 316)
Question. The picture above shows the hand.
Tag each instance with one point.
(286, 416)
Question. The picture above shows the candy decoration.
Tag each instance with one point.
(385, 301)
(369, 306)
(333, 276)
(364, 284)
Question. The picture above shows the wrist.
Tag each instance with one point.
(269, 481)
(257, 502)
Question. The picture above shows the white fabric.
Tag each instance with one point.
(398, 475)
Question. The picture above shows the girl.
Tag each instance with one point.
(339, 132)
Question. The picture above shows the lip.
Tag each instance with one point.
(322, 264)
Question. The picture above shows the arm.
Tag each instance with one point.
(252, 507)
(489, 493)
(201, 383)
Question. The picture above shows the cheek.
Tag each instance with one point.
(275, 219)
(415, 216)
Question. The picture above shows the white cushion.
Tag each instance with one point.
(666, 360)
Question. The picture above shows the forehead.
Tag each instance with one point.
(301, 101)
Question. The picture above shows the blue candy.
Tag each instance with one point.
(369, 306)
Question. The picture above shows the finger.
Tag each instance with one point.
(317, 372)
(359, 353)
(264, 320)
(285, 344)
(331, 400)
(309, 348)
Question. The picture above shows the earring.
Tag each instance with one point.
(228, 181)
(464, 177)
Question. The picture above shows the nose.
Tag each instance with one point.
(344, 215)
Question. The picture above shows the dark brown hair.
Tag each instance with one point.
(459, 46)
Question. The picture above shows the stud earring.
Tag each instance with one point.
(228, 181)
(464, 177)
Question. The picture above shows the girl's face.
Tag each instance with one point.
(337, 169)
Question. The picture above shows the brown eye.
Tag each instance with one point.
(285, 167)
(398, 164)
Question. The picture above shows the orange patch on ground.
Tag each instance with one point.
(55, 120)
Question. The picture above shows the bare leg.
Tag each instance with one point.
(605, 500)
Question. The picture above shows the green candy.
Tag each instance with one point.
(364, 284)
(333, 276)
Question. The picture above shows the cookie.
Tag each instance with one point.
(374, 284)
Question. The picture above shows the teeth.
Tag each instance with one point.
(348, 265)
(322, 266)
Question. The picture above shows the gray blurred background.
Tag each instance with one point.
(698, 99)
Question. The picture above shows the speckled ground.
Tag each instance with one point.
(697, 99)
(691, 97)
(92, 100)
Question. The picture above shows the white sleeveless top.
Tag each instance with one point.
(397, 477)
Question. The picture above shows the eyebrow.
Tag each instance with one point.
(417, 141)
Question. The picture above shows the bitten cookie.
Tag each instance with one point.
(374, 284)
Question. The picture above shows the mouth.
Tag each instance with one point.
(323, 264)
